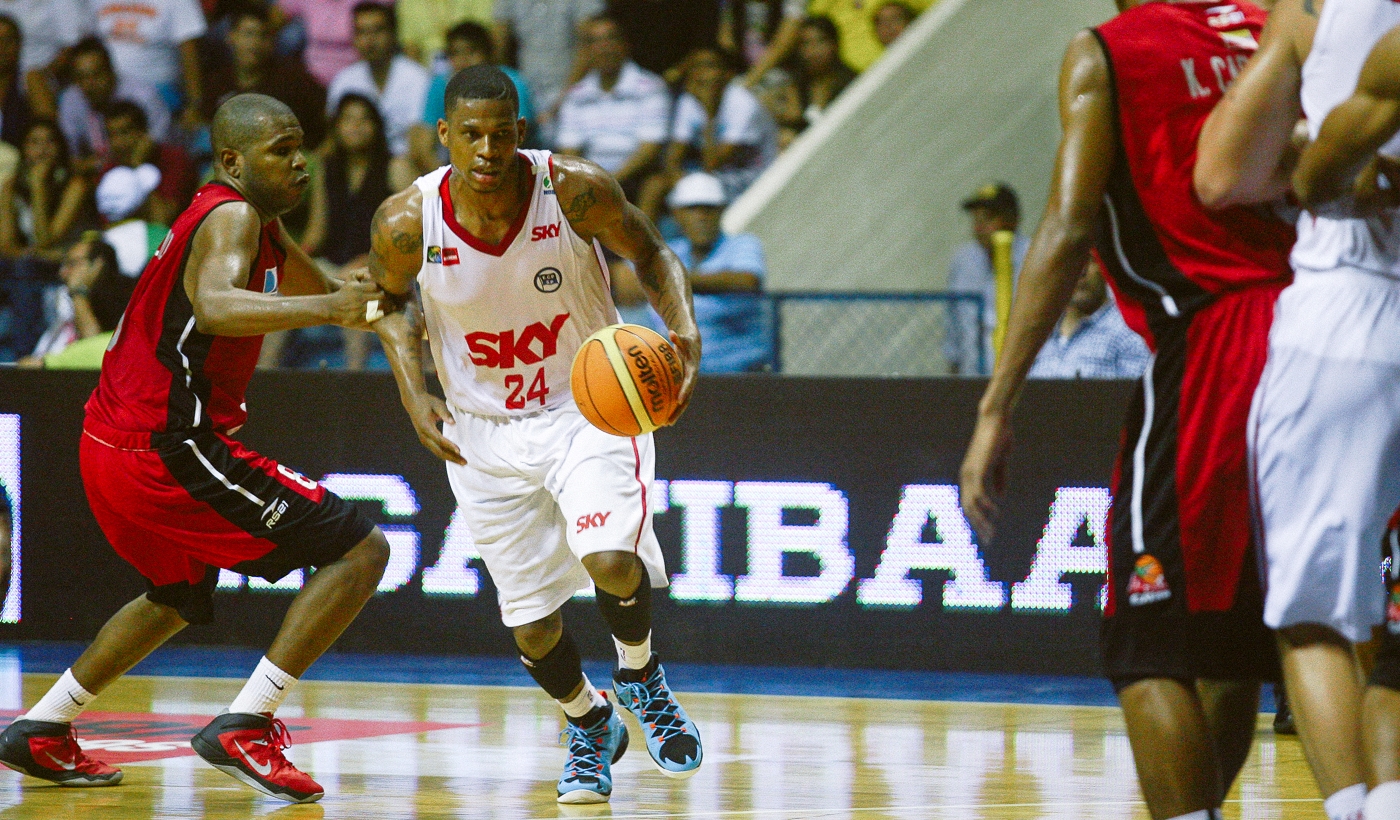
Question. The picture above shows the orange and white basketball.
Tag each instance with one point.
(626, 380)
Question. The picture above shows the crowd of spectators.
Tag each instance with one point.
(104, 107)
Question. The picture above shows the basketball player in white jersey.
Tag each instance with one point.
(1325, 423)
(506, 249)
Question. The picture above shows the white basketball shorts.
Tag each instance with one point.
(1325, 443)
(541, 491)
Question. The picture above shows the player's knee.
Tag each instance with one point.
(537, 638)
(616, 571)
(370, 557)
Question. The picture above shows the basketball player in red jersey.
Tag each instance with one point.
(1183, 639)
(177, 497)
(505, 248)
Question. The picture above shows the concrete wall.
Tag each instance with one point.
(868, 199)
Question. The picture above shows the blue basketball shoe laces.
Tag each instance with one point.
(592, 749)
(672, 739)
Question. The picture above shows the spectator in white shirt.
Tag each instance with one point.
(49, 26)
(617, 114)
(720, 127)
(158, 41)
(82, 105)
(545, 34)
(396, 84)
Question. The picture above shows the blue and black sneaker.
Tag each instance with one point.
(672, 739)
(595, 742)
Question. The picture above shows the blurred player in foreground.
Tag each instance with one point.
(1183, 640)
(506, 247)
(1325, 428)
(177, 497)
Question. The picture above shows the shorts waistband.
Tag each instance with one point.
(130, 440)
(457, 411)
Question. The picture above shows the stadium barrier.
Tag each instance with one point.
(805, 521)
(859, 333)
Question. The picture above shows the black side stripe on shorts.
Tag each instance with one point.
(245, 496)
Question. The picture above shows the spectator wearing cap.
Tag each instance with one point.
(856, 20)
(891, 19)
(992, 208)
(124, 198)
(158, 41)
(1091, 340)
(329, 31)
(617, 115)
(96, 85)
(396, 84)
(97, 295)
(546, 37)
(130, 145)
(719, 127)
(256, 68)
(468, 44)
(423, 24)
(726, 274)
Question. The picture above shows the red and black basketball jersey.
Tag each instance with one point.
(1165, 253)
(160, 373)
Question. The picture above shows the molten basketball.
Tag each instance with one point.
(626, 379)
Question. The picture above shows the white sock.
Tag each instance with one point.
(634, 657)
(65, 701)
(588, 699)
(1346, 804)
(1383, 803)
(264, 691)
(1203, 814)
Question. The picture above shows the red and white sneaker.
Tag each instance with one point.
(249, 748)
(49, 751)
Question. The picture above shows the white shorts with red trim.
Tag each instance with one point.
(541, 491)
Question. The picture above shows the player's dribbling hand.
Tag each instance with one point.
(425, 412)
(689, 349)
(982, 479)
(348, 302)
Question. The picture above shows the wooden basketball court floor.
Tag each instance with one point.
(430, 750)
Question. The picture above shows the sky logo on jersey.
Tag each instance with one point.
(545, 232)
(588, 522)
(270, 280)
(532, 345)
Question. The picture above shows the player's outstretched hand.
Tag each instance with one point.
(689, 349)
(426, 411)
(349, 301)
(982, 479)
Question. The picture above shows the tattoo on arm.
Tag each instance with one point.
(1308, 8)
(406, 242)
(578, 208)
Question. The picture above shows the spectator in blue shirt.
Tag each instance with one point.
(992, 208)
(1091, 341)
(726, 274)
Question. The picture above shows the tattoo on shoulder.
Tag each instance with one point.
(405, 242)
(578, 207)
(1308, 8)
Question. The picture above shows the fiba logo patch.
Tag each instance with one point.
(434, 255)
(1148, 585)
(548, 280)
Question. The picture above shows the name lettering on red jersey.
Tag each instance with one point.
(1193, 83)
(507, 348)
(545, 232)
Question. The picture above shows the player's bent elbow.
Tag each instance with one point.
(1214, 190)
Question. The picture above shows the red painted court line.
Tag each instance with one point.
(124, 737)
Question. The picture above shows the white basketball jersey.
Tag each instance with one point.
(1346, 32)
(504, 321)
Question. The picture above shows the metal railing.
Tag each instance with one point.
(872, 334)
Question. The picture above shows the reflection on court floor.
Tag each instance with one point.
(766, 757)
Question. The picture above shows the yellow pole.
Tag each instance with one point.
(1002, 275)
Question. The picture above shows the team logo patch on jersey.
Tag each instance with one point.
(548, 184)
(1148, 584)
(443, 256)
(1240, 38)
(270, 280)
(1224, 15)
(548, 280)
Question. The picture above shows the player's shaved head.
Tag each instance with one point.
(246, 119)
